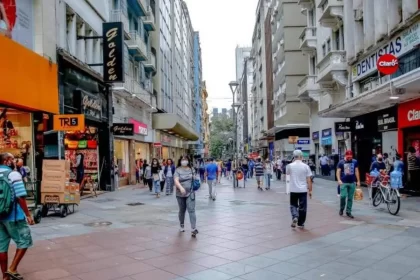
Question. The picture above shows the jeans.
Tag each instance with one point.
(187, 203)
(267, 180)
(347, 194)
(251, 173)
(169, 185)
(150, 183)
(298, 206)
(278, 173)
(156, 186)
(212, 188)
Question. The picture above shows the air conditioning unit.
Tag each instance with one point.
(358, 15)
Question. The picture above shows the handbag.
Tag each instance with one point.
(358, 194)
(195, 184)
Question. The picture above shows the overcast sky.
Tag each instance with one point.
(222, 24)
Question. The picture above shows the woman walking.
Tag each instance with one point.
(155, 176)
(185, 195)
(148, 176)
(169, 172)
(143, 168)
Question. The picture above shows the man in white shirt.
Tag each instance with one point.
(323, 161)
(278, 168)
(299, 186)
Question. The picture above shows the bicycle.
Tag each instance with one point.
(386, 194)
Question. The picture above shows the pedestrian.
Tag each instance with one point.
(278, 168)
(259, 172)
(155, 169)
(324, 162)
(162, 180)
(348, 175)
(202, 170)
(300, 186)
(14, 224)
(268, 172)
(169, 172)
(228, 169)
(185, 195)
(143, 168)
(21, 169)
(148, 176)
(211, 174)
(219, 171)
(251, 166)
(245, 169)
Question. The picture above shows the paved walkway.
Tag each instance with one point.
(244, 234)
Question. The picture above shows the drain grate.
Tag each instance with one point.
(98, 224)
(135, 204)
(102, 200)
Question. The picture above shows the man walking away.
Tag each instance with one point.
(300, 184)
(268, 171)
(278, 168)
(211, 172)
(14, 224)
(347, 174)
(259, 172)
(251, 166)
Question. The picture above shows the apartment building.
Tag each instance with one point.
(259, 108)
(291, 117)
(205, 120)
(197, 147)
(174, 78)
(241, 53)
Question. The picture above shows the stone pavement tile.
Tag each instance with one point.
(209, 274)
(91, 265)
(144, 255)
(411, 251)
(156, 274)
(211, 261)
(340, 268)
(29, 267)
(414, 273)
(279, 243)
(230, 244)
(311, 261)
(335, 250)
(116, 272)
(236, 269)
(316, 273)
(400, 259)
(289, 269)
(255, 249)
(171, 249)
(394, 267)
(214, 240)
(101, 254)
(49, 274)
(184, 269)
(264, 274)
(87, 249)
(369, 273)
(362, 241)
(358, 260)
(259, 261)
(411, 232)
(402, 241)
(234, 255)
(162, 261)
(212, 250)
(409, 278)
(188, 255)
(280, 255)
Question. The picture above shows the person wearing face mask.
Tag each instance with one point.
(185, 194)
(379, 164)
(348, 175)
(155, 169)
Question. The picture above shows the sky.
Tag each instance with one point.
(223, 24)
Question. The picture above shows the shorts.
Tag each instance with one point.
(18, 231)
(259, 178)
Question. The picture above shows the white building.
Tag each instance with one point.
(241, 53)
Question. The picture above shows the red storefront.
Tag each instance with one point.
(409, 126)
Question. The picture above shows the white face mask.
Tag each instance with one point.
(184, 162)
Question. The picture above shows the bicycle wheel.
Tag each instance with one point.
(377, 199)
(393, 202)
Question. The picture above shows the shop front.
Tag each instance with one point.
(85, 93)
(315, 154)
(123, 142)
(388, 126)
(326, 141)
(409, 136)
(28, 98)
(342, 133)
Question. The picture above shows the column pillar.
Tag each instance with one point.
(349, 29)
(89, 49)
(369, 23)
(97, 54)
(381, 21)
(409, 7)
(81, 43)
(132, 162)
(72, 34)
(393, 12)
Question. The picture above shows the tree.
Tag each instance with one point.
(221, 130)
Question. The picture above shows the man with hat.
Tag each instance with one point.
(348, 175)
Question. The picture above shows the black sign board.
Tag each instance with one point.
(387, 121)
(113, 51)
(315, 135)
(341, 127)
(123, 129)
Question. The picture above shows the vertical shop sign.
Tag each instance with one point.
(113, 52)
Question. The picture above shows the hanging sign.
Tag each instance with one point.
(113, 52)
(387, 121)
(123, 129)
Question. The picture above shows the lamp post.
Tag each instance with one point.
(234, 87)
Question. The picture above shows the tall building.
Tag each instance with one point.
(224, 112)
(197, 146)
(215, 112)
(241, 53)
(291, 117)
(174, 79)
(205, 120)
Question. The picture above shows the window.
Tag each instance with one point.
(324, 50)
(313, 65)
(336, 36)
(328, 45)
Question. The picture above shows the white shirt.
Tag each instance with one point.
(324, 160)
(298, 172)
(278, 163)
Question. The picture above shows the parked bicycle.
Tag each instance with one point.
(385, 193)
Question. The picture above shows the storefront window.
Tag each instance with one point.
(16, 137)
(122, 156)
(143, 151)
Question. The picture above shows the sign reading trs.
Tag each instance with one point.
(68, 122)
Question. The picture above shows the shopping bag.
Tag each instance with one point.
(358, 194)
(287, 184)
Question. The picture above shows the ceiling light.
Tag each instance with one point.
(394, 97)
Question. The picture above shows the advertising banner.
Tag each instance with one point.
(16, 21)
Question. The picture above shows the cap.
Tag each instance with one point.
(297, 153)
(349, 153)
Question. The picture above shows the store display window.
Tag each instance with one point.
(143, 151)
(16, 137)
(121, 152)
(81, 149)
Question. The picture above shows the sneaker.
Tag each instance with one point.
(294, 222)
(301, 226)
(350, 215)
(214, 199)
(181, 229)
(340, 213)
(194, 232)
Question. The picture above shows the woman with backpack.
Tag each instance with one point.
(185, 195)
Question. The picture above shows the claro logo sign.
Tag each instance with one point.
(413, 115)
(387, 64)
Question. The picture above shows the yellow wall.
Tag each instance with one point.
(27, 79)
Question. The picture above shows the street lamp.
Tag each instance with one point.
(234, 87)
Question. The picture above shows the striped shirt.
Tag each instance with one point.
(15, 179)
(411, 162)
(259, 169)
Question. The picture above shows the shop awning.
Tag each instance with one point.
(174, 125)
(405, 87)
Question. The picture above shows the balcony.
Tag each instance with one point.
(143, 93)
(137, 47)
(333, 67)
(308, 89)
(139, 7)
(308, 41)
(331, 12)
(120, 16)
(149, 21)
(150, 63)
(306, 4)
(279, 75)
(134, 91)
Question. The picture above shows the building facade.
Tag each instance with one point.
(197, 148)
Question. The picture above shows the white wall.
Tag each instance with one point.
(45, 29)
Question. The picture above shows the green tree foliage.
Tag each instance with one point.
(221, 130)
